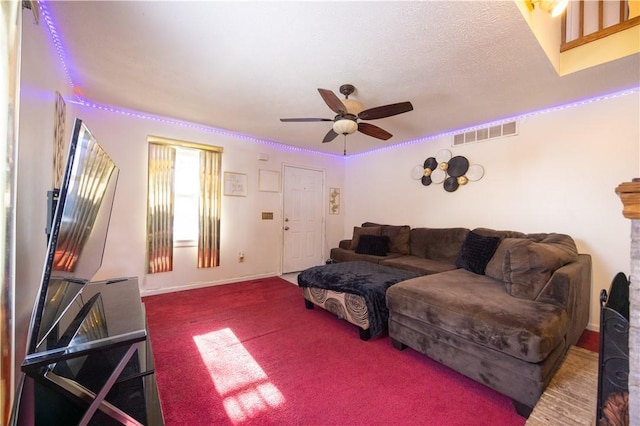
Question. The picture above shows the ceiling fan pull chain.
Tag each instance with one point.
(345, 145)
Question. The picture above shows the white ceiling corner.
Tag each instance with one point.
(242, 66)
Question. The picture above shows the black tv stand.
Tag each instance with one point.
(98, 368)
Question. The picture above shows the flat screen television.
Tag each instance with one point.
(76, 242)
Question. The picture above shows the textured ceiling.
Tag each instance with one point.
(241, 66)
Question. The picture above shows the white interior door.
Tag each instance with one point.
(303, 219)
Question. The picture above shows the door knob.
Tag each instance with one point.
(286, 219)
(286, 228)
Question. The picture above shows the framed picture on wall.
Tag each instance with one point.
(334, 200)
(58, 140)
(269, 181)
(235, 184)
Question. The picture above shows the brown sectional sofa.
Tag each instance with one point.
(501, 307)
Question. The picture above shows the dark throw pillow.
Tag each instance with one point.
(476, 252)
(373, 244)
(358, 231)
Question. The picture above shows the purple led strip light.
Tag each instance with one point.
(55, 38)
(187, 124)
(612, 95)
(60, 50)
(46, 15)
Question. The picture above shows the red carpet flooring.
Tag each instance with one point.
(251, 353)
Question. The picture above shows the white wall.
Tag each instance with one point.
(242, 228)
(41, 76)
(558, 175)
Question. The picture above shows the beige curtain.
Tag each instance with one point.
(209, 212)
(14, 309)
(160, 208)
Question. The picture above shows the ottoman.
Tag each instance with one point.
(353, 291)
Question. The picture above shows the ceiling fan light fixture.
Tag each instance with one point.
(554, 7)
(349, 112)
(353, 106)
(345, 126)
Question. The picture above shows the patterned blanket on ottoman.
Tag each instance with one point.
(365, 279)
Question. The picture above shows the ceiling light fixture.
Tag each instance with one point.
(554, 7)
(345, 126)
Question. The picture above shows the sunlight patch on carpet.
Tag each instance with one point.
(238, 378)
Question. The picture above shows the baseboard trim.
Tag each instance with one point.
(202, 284)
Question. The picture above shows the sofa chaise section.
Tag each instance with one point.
(508, 327)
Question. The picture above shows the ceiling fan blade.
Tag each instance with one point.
(375, 131)
(331, 135)
(332, 101)
(385, 111)
(304, 120)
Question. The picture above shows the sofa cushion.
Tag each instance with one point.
(495, 267)
(377, 245)
(399, 236)
(528, 265)
(488, 232)
(477, 308)
(345, 244)
(367, 230)
(476, 251)
(347, 255)
(441, 244)
(370, 224)
(418, 264)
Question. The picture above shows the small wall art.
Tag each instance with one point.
(58, 140)
(235, 184)
(334, 200)
(269, 181)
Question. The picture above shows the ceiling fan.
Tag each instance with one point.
(349, 111)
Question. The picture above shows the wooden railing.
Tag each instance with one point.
(585, 21)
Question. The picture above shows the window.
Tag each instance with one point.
(187, 194)
(183, 202)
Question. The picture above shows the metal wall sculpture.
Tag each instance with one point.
(452, 172)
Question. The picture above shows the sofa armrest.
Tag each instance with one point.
(570, 287)
(345, 244)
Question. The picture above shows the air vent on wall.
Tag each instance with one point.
(483, 133)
